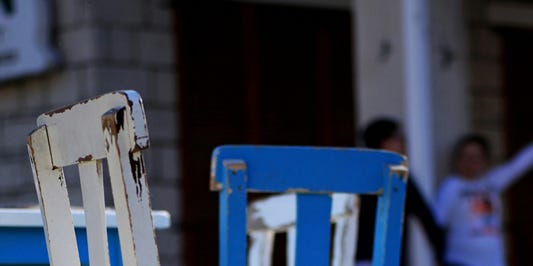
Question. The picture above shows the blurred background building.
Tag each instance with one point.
(292, 72)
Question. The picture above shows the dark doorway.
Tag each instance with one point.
(518, 92)
(255, 74)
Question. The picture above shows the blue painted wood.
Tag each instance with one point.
(233, 215)
(279, 169)
(389, 219)
(313, 173)
(313, 212)
(27, 246)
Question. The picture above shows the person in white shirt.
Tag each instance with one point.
(468, 204)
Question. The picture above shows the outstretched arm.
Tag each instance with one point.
(504, 175)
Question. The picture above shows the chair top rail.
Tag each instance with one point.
(78, 124)
(308, 170)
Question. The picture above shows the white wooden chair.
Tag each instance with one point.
(277, 213)
(111, 127)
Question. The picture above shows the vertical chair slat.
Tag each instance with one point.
(92, 187)
(389, 217)
(312, 245)
(52, 191)
(233, 215)
(128, 177)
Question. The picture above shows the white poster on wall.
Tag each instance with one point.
(25, 46)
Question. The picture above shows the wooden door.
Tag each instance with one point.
(518, 93)
(256, 74)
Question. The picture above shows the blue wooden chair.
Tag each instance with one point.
(313, 173)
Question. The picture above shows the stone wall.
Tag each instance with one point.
(104, 46)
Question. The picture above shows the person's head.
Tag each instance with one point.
(386, 134)
(471, 156)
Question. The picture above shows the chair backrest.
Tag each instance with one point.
(313, 174)
(277, 213)
(111, 127)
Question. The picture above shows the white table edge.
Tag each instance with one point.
(31, 217)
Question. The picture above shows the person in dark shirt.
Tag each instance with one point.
(386, 134)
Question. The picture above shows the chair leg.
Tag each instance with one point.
(345, 241)
(261, 246)
(291, 246)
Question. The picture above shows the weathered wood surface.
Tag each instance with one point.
(53, 199)
(111, 127)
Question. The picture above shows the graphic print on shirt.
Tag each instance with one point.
(483, 213)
